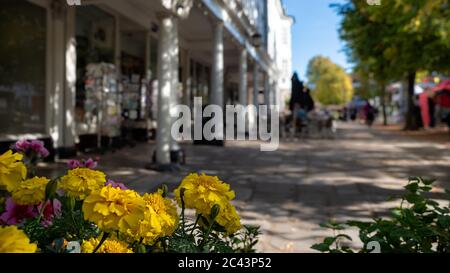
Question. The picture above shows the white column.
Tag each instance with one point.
(217, 68)
(174, 98)
(243, 78)
(58, 78)
(70, 80)
(165, 74)
(243, 84)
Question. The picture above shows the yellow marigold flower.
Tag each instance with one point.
(160, 218)
(14, 240)
(114, 209)
(31, 191)
(80, 182)
(229, 219)
(108, 246)
(12, 170)
(202, 192)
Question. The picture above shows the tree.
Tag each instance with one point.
(332, 84)
(396, 39)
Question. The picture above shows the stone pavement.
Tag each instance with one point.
(291, 191)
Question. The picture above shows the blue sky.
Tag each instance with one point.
(315, 32)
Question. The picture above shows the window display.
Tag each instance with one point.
(22, 87)
(102, 105)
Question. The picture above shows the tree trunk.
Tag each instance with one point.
(410, 119)
(383, 102)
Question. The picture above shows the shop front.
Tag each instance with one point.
(23, 72)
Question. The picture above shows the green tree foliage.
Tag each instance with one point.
(396, 39)
(332, 84)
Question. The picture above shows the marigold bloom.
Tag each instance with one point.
(113, 209)
(202, 192)
(108, 246)
(229, 219)
(12, 170)
(80, 182)
(14, 240)
(31, 191)
(160, 218)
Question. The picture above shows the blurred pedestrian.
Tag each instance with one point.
(369, 113)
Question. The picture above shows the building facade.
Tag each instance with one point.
(280, 50)
(73, 72)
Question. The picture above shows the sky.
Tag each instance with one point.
(315, 32)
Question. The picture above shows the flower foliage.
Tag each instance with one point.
(418, 225)
(102, 216)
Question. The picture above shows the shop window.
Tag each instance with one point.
(22, 67)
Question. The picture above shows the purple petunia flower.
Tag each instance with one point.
(116, 185)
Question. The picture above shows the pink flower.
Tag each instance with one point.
(39, 148)
(90, 163)
(73, 164)
(22, 145)
(116, 185)
(52, 209)
(16, 214)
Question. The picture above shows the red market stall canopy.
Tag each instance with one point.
(443, 86)
(442, 93)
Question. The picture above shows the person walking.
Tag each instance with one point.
(369, 113)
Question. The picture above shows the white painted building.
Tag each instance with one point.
(218, 49)
(280, 49)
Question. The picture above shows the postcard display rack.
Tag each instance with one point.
(134, 106)
(103, 100)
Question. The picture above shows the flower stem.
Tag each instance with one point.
(208, 231)
(41, 211)
(104, 237)
(195, 224)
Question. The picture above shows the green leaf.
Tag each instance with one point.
(412, 187)
(329, 240)
(428, 181)
(322, 247)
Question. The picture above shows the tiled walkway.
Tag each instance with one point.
(306, 182)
